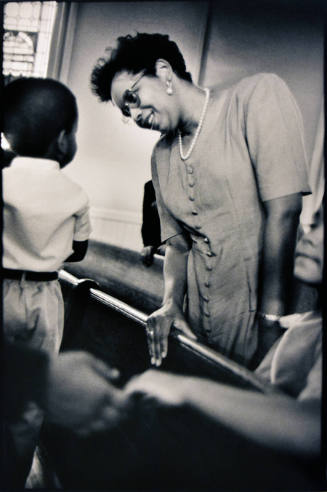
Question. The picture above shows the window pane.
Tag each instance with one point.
(27, 36)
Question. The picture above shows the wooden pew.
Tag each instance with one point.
(115, 331)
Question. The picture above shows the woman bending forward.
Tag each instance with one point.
(229, 172)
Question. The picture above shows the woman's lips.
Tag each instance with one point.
(149, 121)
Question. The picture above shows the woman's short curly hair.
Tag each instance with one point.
(134, 54)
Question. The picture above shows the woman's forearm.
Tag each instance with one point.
(170, 313)
(175, 268)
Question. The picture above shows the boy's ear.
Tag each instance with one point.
(62, 141)
(163, 69)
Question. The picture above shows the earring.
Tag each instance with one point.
(169, 87)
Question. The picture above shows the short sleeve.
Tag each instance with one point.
(313, 386)
(168, 224)
(82, 228)
(275, 138)
(297, 353)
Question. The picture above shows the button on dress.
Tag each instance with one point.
(250, 149)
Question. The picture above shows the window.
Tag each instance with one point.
(27, 36)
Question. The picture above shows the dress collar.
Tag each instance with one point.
(34, 163)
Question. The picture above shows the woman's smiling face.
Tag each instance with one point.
(144, 98)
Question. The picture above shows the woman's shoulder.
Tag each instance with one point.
(263, 83)
(252, 89)
(258, 78)
(243, 87)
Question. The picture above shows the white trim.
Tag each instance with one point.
(68, 43)
(57, 41)
(114, 215)
(198, 49)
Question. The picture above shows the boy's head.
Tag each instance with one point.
(40, 119)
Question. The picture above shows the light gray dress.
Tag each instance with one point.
(250, 149)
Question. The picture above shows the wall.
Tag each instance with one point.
(113, 161)
(274, 36)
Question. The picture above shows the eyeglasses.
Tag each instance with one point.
(131, 98)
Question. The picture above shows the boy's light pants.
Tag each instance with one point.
(33, 314)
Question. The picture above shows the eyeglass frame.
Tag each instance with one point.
(136, 104)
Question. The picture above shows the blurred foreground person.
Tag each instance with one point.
(72, 390)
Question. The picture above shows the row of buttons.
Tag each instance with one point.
(209, 268)
(206, 240)
(191, 183)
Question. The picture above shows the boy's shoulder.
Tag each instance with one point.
(19, 185)
(70, 188)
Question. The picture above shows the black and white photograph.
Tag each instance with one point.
(163, 276)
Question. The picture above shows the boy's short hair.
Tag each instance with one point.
(36, 110)
(134, 54)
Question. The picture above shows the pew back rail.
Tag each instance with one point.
(192, 353)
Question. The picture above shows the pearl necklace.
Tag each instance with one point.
(196, 135)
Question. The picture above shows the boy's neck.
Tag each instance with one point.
(47, 157)
(53, 157)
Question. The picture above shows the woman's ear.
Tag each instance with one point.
(163, 70)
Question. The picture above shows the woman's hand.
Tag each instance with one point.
(159, 325)
(171, 313)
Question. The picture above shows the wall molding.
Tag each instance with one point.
(117, 227)
(115, 215)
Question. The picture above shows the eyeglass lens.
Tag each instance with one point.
(130, 99)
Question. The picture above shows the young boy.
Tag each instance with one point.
(46, 222)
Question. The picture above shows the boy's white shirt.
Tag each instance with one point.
(44, 211)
